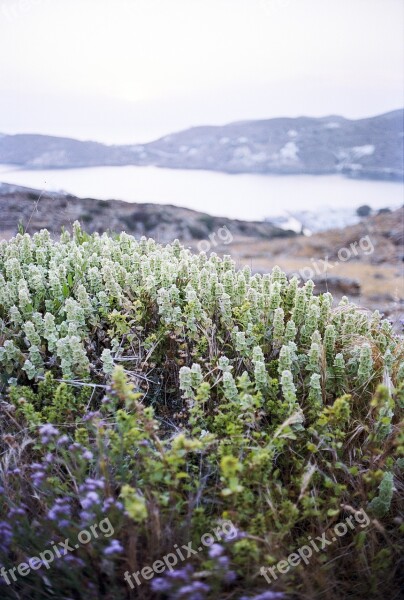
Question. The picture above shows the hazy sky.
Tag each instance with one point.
(132, 70)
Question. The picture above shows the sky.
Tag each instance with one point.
(122, 71)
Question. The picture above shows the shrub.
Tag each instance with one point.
(171, 392)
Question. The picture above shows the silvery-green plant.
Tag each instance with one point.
(57, 299)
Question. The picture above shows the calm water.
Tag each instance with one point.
(237, 196)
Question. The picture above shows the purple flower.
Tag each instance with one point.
(230, 576)
(16, 511)
(266, 596)
(75, 561)
(108, 503)
(230, 537)
(86, 516)
(196, 586)
(6, 536)
(62, 440)
(216, 550)
(115, 547)
(59, 511)
(182, 575)
(111, 502)
(64, 523)
(75, 446)
(193, 591)
(92, 415)
(188, 590)
(48, 432)
(37, 466)
(160, 585)
(90, 485)
(91, 499)
(223, 562)
(88, 455)
(37, 478)
(38, 474)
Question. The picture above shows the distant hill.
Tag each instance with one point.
(369, 148)
(35, 210)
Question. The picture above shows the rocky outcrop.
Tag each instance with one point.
(31, 210)
(337, 285)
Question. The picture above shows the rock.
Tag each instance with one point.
(337, 285)
(363, 211)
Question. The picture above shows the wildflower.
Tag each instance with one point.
(59, 511)
(266, 596)
(62, 440)
(197, 589)
(6, 536)
(13, 512)
(92, 415)
(90, 485)
(230, 576)
(86, 517)
(111, 502)
(215, 551)
(115, 547)
(159, 584)
(75, 446)
(38, 474)
(181, 574)
(74, 561)
(91, 499)
(48, 432)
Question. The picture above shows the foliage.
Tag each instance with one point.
(169, 392)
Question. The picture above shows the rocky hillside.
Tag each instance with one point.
(34, 210)
(366, 148)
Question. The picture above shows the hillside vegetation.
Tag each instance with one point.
(175, 394)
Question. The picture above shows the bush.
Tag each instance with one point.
(171, 393)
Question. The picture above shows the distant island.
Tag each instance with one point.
(370, 148)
